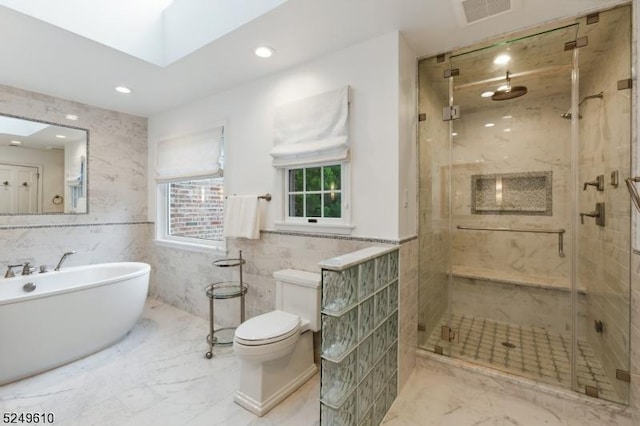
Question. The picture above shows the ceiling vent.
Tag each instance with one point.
(472, 11)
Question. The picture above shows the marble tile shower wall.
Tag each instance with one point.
(432, 220)
(526, 306)
(635, 336)
(603, 264)
(408, 310)
(115, 228)
(536, 143)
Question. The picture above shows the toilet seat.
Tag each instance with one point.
(267, 328)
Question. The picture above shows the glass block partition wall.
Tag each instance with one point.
(359, 354)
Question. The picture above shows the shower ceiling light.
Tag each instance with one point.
(123, 89)
(264, 52)
(486, 94)
(502, 59)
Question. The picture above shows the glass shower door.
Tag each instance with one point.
(603, 255)
(510, 181)
(524, 217)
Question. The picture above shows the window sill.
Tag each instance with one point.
(200, 248)
(315, 228)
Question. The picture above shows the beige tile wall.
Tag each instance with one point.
(408, 309)
(433, 152)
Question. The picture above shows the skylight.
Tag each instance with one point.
(17, 127)
(156, 31)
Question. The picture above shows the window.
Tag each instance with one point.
(317, 199)
(311, 150)
(196, 209)
(315, 192)
(190, 188)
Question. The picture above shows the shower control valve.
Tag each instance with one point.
(598, 183)
(598, 214)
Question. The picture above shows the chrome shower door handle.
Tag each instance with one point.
(633, 191)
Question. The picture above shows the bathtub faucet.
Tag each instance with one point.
(64, 256)
(9, 273)
(27, 269)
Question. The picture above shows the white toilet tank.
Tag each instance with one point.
(298, 292)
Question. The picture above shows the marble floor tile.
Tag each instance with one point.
(156, 375)
(432, 397)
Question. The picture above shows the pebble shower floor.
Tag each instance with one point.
(531, 352)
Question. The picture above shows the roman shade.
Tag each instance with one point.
(196, 156)
(312, 130)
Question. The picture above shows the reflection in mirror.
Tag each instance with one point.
(43, 167)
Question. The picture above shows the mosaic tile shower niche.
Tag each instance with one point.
(359, 355)
(527, 193)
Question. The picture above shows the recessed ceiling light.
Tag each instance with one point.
(123, 89)
(502, 59)
(264, 51)
(72, 117)
(454, 134)
(489, 125)
(61, 136)
(507, 117)
(15, 143)
(486, 94)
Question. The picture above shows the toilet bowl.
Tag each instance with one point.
(267, 336)
(276, 349)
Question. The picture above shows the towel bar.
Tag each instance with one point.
(266, 196)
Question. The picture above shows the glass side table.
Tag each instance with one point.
(221, 291)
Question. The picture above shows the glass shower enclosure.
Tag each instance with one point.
(524, 222)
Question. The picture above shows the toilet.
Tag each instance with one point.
(276, 349)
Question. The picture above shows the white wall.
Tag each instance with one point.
(371, 70)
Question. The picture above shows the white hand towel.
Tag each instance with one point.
(241, 217)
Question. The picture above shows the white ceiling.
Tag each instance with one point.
(44, 58)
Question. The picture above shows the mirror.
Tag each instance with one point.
(43, 167)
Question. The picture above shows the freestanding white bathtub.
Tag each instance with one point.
(71, 313)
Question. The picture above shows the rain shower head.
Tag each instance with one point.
(568, 114)
(509, 92)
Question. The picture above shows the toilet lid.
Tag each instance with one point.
(267, 328)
